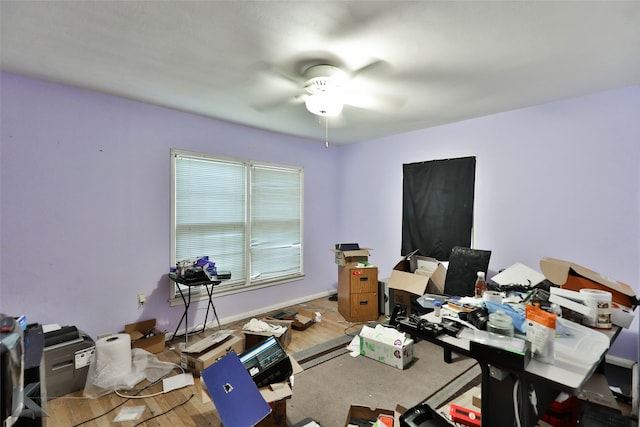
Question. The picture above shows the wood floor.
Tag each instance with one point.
(185, 407)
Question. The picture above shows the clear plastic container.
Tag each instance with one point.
(437, 307)
(579, 344)
(500, 323)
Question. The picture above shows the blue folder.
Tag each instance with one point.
(234, 392)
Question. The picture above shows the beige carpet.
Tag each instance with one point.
(326, 391)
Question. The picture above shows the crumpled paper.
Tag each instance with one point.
(255, 325)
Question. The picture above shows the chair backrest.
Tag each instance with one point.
(464, 264)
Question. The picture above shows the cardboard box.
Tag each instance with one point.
(597, 392)
(303, 320)
(277, 400)
(300, 321)
(387, 346)
(575, 277)
(365, 413)
(254, 338)
(343, 258)
(275, 395)
(196, 362)
(409, 285)
(419, 275)
(144, 335)
(278, 415)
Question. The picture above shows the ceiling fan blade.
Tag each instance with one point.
(281, 102)
(377, 66)
(279, 72)
(368, 101)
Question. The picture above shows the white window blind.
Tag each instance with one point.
(275, 222)
(246, 216)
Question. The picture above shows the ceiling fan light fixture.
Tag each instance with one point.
(324, 104)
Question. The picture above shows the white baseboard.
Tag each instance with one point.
(259, 311)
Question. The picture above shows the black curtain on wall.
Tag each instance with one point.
(437, 211)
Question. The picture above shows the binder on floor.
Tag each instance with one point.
(234, 392)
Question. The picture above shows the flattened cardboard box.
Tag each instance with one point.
(196, 362)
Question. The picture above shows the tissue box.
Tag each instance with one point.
(386, 345)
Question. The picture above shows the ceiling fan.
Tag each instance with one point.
(325, 88)
(324, 84)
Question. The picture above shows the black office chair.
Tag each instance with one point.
(464, 264)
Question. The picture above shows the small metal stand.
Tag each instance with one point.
(209, 284)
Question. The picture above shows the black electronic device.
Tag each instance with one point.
(223, 275)
(347, 246)
(267, 362)
(422, 415)
(478, 318)
(12, 354)
(421, 326)
(451, 328)
(430, 329)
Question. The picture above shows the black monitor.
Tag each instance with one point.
(267, 362)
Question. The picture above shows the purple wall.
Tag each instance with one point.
(559, 180)
(85, 197)
(86, 206)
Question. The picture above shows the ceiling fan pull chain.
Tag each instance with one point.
(326, 132)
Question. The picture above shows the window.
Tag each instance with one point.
(245, 215)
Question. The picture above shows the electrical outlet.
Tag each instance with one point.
(142, 298)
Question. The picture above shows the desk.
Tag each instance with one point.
(497, 395)
(208, 284)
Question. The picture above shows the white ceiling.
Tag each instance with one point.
(434, 62)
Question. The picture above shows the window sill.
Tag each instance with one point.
(201, 294)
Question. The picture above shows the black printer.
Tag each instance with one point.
(67, 356)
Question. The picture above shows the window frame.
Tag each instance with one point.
(234, 287)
